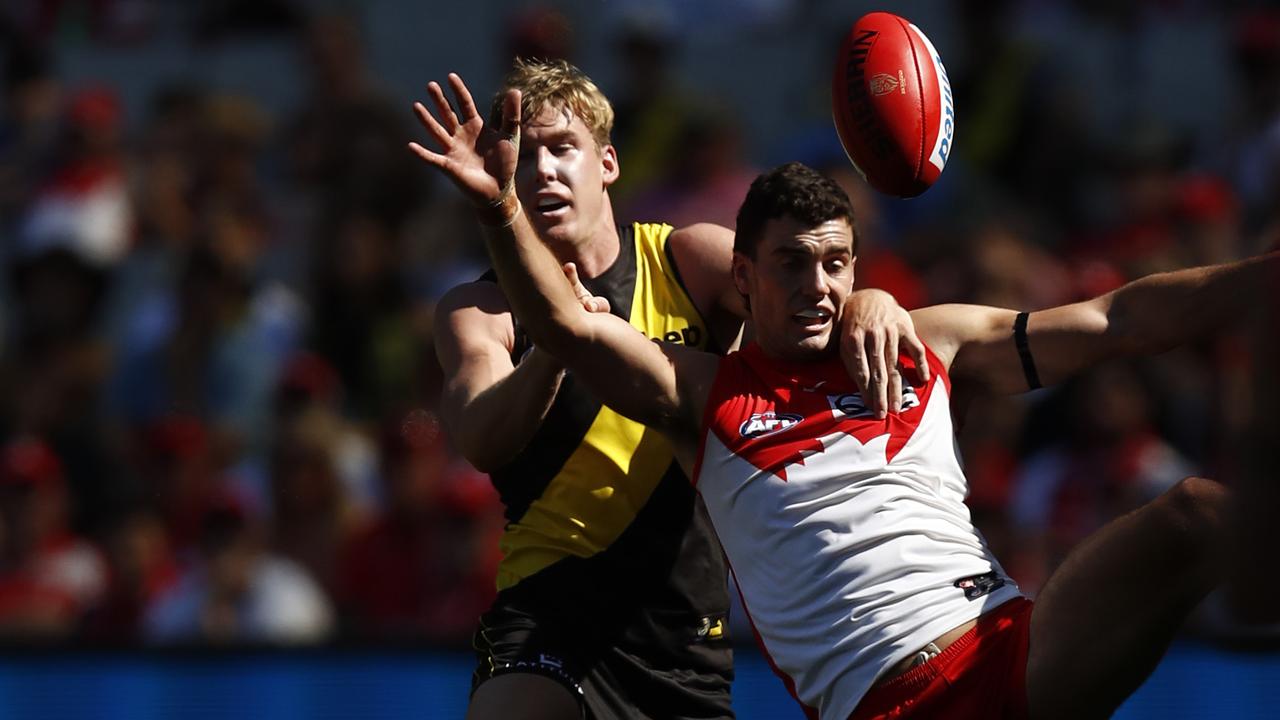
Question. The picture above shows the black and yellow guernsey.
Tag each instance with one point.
(601, 520)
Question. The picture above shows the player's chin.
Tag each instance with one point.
(553, 230)
(812, 346)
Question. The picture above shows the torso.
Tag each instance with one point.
(847, 535)
(596, 501)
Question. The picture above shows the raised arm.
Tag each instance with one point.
(631, 374)
(1146, 316)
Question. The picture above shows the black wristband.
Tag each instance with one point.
(1024, 351)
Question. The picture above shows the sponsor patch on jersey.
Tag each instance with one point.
(850, 405)
(767, 423)
(711, 628)
(975, 586)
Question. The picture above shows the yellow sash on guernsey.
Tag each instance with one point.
(610, 476)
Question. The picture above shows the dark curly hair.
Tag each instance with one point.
(793, 190)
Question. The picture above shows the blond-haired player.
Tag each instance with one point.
(612, 587)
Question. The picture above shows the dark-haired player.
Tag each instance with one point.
(871, 592)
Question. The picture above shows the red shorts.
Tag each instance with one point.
(983, 674)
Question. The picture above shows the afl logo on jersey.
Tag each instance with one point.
(767, 423)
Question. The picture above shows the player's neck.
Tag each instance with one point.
(789, 355)
(597, 252)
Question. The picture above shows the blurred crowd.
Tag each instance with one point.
(216, 362)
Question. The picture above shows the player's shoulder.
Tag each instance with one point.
(483, 295)
(702, 237)
(702, 253)
(475, 312)
(474, 316)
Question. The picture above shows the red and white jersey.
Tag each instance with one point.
(847, 535)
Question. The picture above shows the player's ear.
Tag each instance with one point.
(609, 165)
(742, 270)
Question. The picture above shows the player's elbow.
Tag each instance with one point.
(474, 441)
(1106, 327)
(1135, 333)
(1146, 342)
(483, 461)
(479, 449)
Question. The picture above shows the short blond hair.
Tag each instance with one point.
(557, 84)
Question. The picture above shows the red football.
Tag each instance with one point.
(892, 104)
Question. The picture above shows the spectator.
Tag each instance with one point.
(425, 566)
(49, 576)
(235, 591)
(141, 568)
(84, 204)
(703, 179)
(29, 127)
(1109, 461)
(310, 511)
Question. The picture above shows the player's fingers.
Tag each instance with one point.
(894, 386)
(466, 105)
(854, 354)
(425, 154)
(915, 351)
(447, 117)
(571, 274)
(433, 127)
(511, 116)
(877, 402)
(894, 390)
(579, 290)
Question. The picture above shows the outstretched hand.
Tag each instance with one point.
(873, 329)
(480, 160)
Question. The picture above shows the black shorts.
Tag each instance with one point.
(635, 664)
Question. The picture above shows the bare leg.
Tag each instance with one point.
(523, 696)
(1107, 615)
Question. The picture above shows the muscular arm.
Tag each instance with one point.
(661, 385)
(1149, 315)
(491, 408)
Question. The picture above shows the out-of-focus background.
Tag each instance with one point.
(218, 265)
